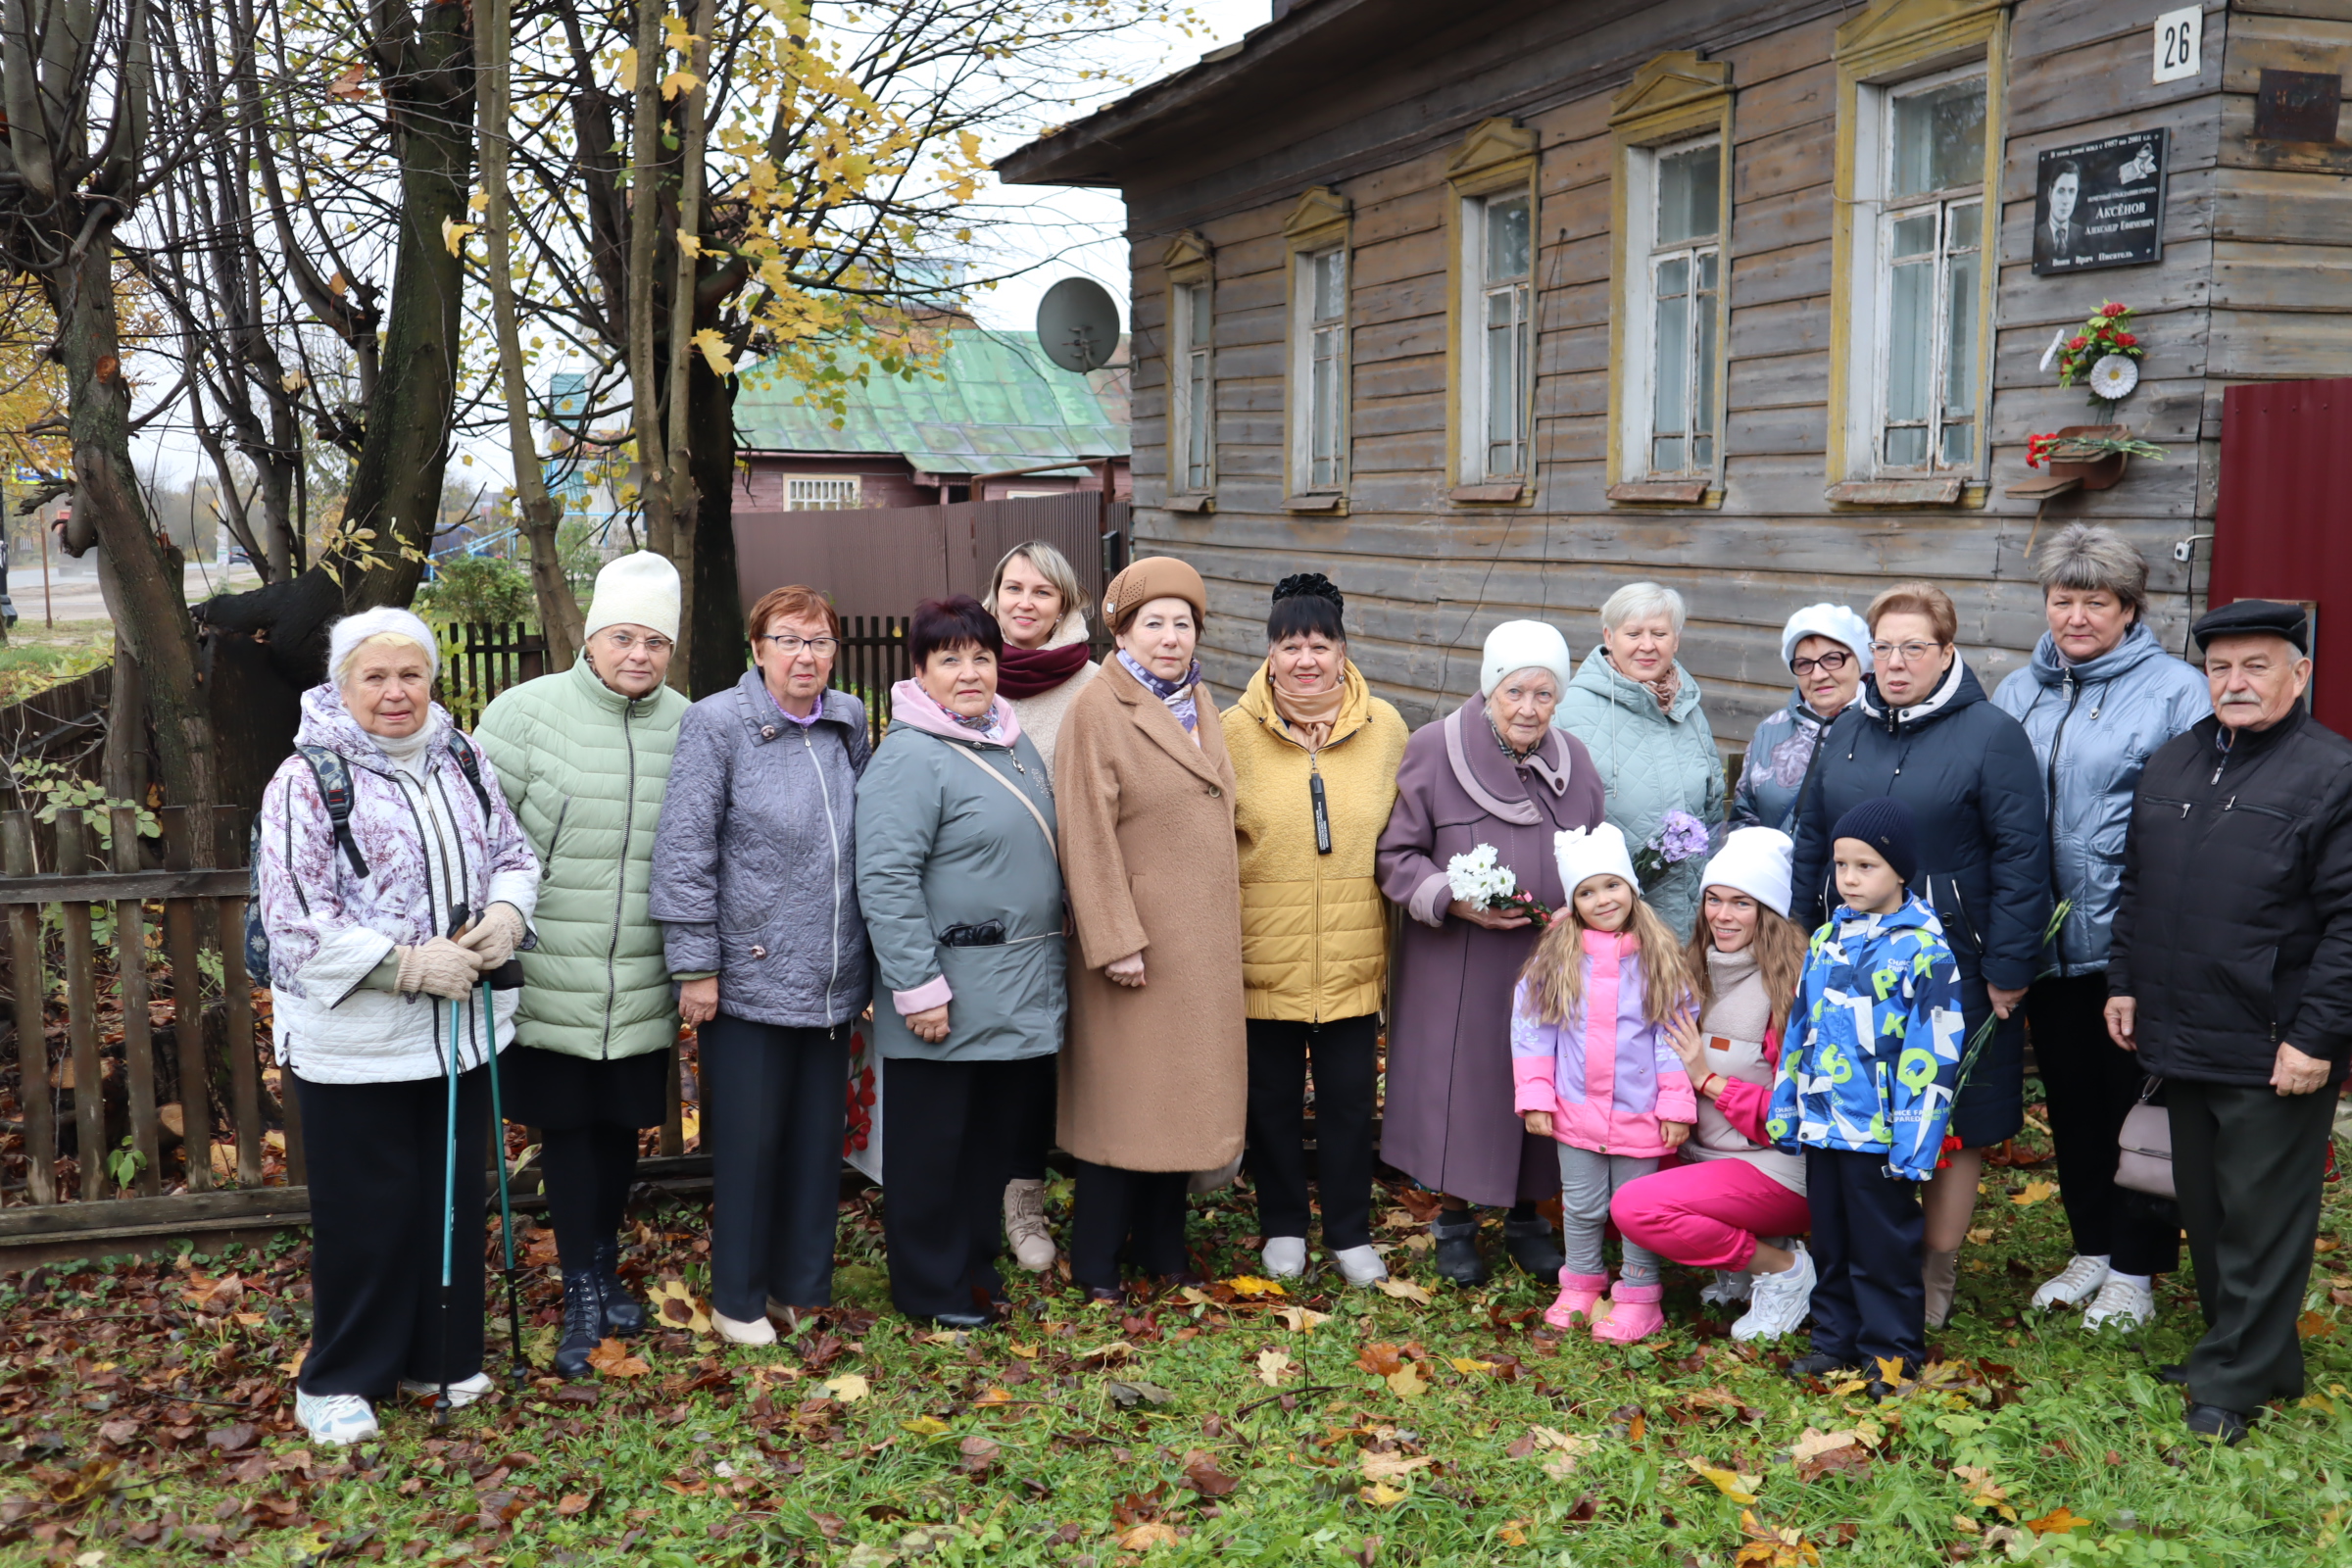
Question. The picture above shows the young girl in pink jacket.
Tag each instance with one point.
(1594, 1068)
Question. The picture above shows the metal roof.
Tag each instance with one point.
(994, 403)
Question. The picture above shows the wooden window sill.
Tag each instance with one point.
(1501, 493)
(1671, 492)
(1896, 493)
(1191, 503)
(1316, 501)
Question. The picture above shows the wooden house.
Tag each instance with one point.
(1487, 307)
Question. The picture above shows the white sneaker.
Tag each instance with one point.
(1285, 1256)
(1730, 1285)
(1778, 1302)
(2121, 1304)
(758, 1330)
(339, 1419)
(1361, 1264)
(462, 1393)
(2073, 1285)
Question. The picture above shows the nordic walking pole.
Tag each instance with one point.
(449, 1217)
(519, 1370)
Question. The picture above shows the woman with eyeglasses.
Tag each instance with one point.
(756, 886)
(1827, 648)
(584, 757)
(1922, 731)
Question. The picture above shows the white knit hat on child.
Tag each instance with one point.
(639, 589)
(1585, 854)
(1518, 645)
(1756, 861)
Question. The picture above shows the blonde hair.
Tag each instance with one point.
(1051, 564)
(1555, 971)
(1779, 949)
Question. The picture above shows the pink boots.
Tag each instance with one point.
(1578, 1293)
(1634, 1315)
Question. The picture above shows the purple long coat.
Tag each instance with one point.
(1449, 1122)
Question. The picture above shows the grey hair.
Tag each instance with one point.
(1641, 599)
(1051, 564)
(2090, 558)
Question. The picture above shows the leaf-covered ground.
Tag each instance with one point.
(145, 1417)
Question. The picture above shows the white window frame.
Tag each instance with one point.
(1191, 389)
(829, 491)
(1637, 410)
(1319, 403)
(1474, 460)
(1875, 217)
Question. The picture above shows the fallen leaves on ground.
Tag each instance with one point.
(1377, 1466)
(612, 1358)
(1127, 1392)
(1115, 1350)
(1142, 1538)
(1406, 1382)
(1774, 1545)
(1380, 1495)
(2036, 1192)
(2058, 1521)
(1825, 1453)
(677, 1306)
(1200, 1473)
(2311, 1326)
(849, 1388)
(1273, 1366)
(1562, 1450)
(1299, 1319)
(1403, 1290)
(1251, 1285)
(1380, 1358)
(1739, 1488)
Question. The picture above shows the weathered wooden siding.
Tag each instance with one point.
(2249, 287)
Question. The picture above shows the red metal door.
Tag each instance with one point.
(2283, 530)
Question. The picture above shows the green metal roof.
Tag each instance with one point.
(994, 402)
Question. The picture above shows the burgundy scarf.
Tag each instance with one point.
(1024, 672)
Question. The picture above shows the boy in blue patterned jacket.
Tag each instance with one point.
(1865, 1088)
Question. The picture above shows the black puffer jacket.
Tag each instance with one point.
(1968, 773)
(2233, 927)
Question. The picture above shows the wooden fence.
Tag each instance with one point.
(478, 662)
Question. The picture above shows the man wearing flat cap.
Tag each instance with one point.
(2231, 977)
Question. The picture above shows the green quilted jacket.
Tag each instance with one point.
(585, 769)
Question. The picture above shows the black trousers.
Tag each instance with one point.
(1344, 1053)
(378, 1158)
(1136, 1212)
(2248, 1163)
(775, 1102)
(947, 1153)
(2092, 1084)
(589, 1173)
(1868, 1230)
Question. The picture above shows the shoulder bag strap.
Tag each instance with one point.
(1017, 793)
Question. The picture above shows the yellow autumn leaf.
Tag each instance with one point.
(1251, 1285)
(453, 236)
(1301, 1319)
(1027, 1352)
(691, 244)
(2035, 1192)
(478, 202)
(1816, 1442)
(626, 65)
(1406, 1382)
(1142, 1538)
(1391, 1466)
(1737, 1486)
(924, 1426)
(1471, 1369)
(714, 351)
(1380, 1495)
(849, 1388)
(1272, 1366)
(678, 82)
(1404, 1291)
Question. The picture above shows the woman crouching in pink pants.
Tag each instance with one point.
(1735, 1203)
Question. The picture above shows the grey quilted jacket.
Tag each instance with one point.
(755, 861)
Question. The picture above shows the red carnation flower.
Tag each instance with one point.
(2112, 308)
(2125, 339)
(2079, 342)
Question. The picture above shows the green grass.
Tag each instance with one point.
(1090, 1437)
(37, 657)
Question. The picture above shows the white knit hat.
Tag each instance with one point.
(1836, 622)
(639, 589)
(343, 639)
(1757, 861)
(1585, 854)
(1517, 645)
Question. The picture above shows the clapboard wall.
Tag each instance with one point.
(2250, 286)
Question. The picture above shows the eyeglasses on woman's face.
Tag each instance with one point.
(625, 643)
(789, 644)
(1902, 652)
(1832, 661)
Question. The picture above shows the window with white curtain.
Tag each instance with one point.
(1320, 370)
(1499, 244)
(1192, 392)
(1928, 274)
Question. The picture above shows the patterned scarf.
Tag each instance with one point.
(1518, 758)
(1177, 695)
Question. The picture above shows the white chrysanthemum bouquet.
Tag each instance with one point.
(1478, 879)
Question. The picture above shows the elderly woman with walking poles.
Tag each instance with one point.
(1154, 1075)
(959, 876)
(584, 757)
(1314, 764)
(755, 882)
(2098, 700)
(1494, 777)
(392, 880)
(1041, 610)
(1923, 733)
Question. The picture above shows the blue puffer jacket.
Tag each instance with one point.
(2094, 725)
(1872, 1061)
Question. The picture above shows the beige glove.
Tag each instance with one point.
(440, 968)
(492, 938)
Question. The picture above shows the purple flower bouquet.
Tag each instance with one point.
(1680, 837)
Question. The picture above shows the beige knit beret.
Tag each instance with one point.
(1152, 577)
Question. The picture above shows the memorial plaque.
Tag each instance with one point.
(2099, 204)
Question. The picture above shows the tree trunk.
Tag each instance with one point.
(716, 651)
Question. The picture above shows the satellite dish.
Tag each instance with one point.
(1078, 324)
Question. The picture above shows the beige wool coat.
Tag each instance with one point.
(1155, 1078)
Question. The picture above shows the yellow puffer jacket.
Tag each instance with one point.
(1314, 928)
